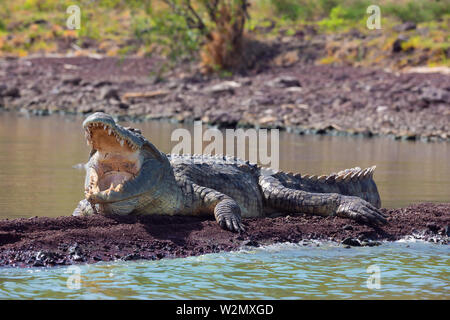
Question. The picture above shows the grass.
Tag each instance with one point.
(144, 27)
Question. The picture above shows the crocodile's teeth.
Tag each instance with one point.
(109, 132)
(121, 143)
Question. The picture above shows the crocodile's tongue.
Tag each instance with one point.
(113, 179)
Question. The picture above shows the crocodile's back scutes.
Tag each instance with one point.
(233, 177)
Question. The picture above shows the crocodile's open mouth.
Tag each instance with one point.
(117, 160)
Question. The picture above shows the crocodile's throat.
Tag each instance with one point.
(116, 161)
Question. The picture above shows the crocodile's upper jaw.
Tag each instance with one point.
(103, 132)
(106, 139)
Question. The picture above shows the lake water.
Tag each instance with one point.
(282, 271)
(37, 178)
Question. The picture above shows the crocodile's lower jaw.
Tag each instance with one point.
(114, 180)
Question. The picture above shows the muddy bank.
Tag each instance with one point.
(302, 98)
(70, 240)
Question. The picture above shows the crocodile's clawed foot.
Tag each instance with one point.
(84, 208)
(228, 215)
(360, 210)
(231, 223)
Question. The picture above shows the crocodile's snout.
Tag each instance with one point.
(99, 117)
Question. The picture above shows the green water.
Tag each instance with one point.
(37, 178)
(286, 271)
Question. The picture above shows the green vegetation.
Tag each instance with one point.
(418, 11)
(170, 28)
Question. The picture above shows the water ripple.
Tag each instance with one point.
(286, 271)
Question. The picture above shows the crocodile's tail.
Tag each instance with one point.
(352, 182)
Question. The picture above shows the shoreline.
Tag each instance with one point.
(303, 99)
(329, 131)
(66, 240)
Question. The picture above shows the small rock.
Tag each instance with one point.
(284, 82)
(246, 81)
(102, 83)
(45, 258)
(351, 242)
(251, 243)
(369, 243)
(226, 86)
(74, 249)
(109, 93)
(72, 81)
(432, 94)
(348, 227)
(409, 25)
(123, 106)
(373, 243)
(397, 45)
(132, 256)
(12, 92)
(382, 108)
(432, 227)
(294, 89)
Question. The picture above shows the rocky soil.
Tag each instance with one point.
(302, 98)
(69, 240)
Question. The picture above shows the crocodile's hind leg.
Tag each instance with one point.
(203, 200)
(279, 197)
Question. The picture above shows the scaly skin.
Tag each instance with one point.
(126, 174)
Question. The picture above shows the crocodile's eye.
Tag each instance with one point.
(134, 130)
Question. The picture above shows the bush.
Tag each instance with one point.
(335, 20)
(290, 9)
(170, 32)
(217, 27)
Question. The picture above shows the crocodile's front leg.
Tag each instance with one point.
(201, 200)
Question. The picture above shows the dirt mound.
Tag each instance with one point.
(69, 240)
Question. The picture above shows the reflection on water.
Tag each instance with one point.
(37, 156)
(283, 271)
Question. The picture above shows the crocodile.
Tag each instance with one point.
(127, 174)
